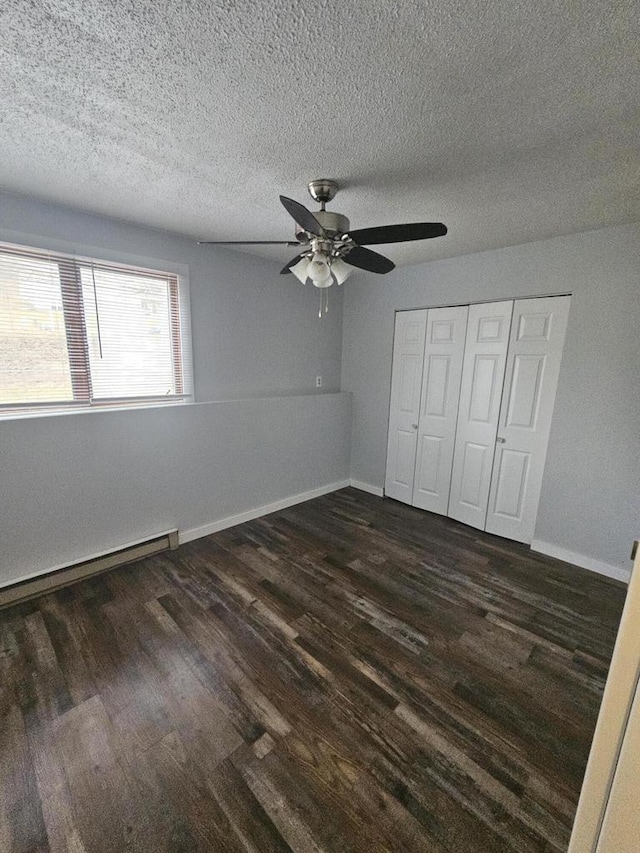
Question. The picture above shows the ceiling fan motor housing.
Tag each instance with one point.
(335, 224)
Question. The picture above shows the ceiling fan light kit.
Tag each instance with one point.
(340, 270)
(331, 249)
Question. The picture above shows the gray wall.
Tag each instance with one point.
(72, 485)
(589, 503)
(78, 485)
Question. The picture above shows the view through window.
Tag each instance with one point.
(79, 332)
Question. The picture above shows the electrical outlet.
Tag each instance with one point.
(318, 381)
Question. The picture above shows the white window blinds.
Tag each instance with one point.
(78, 332)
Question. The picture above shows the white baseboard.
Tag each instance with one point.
(367, 487)
(258, 512)
(589, 563)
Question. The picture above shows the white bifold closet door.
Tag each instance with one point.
(533, 365)
(485, 358)
(404, 409)
(472, 395)
(444, 351)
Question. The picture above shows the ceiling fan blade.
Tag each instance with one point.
(398, 233)
(302, 216)
(365, 259)
(287, 268)
(247, 243)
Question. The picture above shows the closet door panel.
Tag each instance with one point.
(533, 366)
(404, 408)
(444, 351)
(483, 371)
(474, 464)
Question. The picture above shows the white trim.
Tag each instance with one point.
(367, 487)
(258, 512)
(607, 569)
(150, 538)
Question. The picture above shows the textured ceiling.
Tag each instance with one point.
(509, 120)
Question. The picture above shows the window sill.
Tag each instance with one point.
(56, 411)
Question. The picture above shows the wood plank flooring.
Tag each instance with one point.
(346, 675)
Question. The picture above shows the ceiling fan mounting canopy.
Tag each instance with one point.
(323, 190)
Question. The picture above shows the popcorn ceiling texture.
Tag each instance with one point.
(508, 120)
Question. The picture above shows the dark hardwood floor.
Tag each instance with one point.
(347, 675)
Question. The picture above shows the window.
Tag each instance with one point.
(78, 332)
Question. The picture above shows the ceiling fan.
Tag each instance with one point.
(330, 248)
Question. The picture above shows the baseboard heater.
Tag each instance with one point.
(32, 587)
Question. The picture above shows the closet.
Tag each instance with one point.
(472, 395)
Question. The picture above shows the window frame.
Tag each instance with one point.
(70, 264)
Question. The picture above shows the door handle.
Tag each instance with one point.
(414, 426)
(501, 440)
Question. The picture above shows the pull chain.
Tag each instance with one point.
(324, 302)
